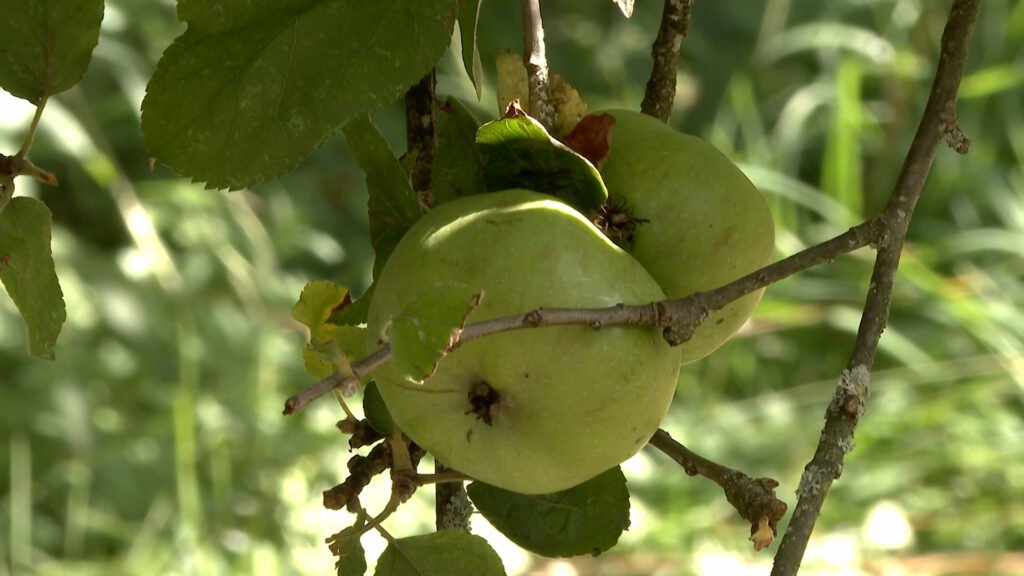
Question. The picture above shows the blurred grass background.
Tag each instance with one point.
(154, 444)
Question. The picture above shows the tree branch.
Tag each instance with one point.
(536, 62)
(753, 498)
(843, 413)
(679, 318)
(661, 87)
(421, 136)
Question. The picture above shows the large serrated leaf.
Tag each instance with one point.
(586, 519)
(45, 45)
(518, 152)
(469, 13)
(441, 553)
(422, 334)
(458, 169)
(252, 88)
(27, 272)
(392, 204)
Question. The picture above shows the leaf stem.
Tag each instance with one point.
(30, 137)
(344, 406)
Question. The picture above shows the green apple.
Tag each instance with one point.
(700, 221)
(536, 410)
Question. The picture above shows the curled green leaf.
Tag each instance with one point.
(518, 152)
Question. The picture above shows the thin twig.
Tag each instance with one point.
(348, 386)
(536, 62)
(677, 317)
(681, 317)
(753, 498)
(937, 123)
(661, 87)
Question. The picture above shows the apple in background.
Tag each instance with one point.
(536, 410)
(699, 222)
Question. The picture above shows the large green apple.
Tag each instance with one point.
(701, 223)
(538, 410)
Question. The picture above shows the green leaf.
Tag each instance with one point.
(6, 188)
(441, 553)
(315, 305)
(585, 519)
(458, 169)
(351, 558)
(317, 360)
(252, 88)
(27, 272)
(328, 343)
(392, 203)
(353, 313)
(469, 13)
(348, 546)
(338, 345)
(45, 45)
(421, 335)
(375, 410)
(518, 153)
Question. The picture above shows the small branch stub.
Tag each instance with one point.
(753, 498)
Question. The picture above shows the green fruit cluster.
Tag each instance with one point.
(542, 410)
